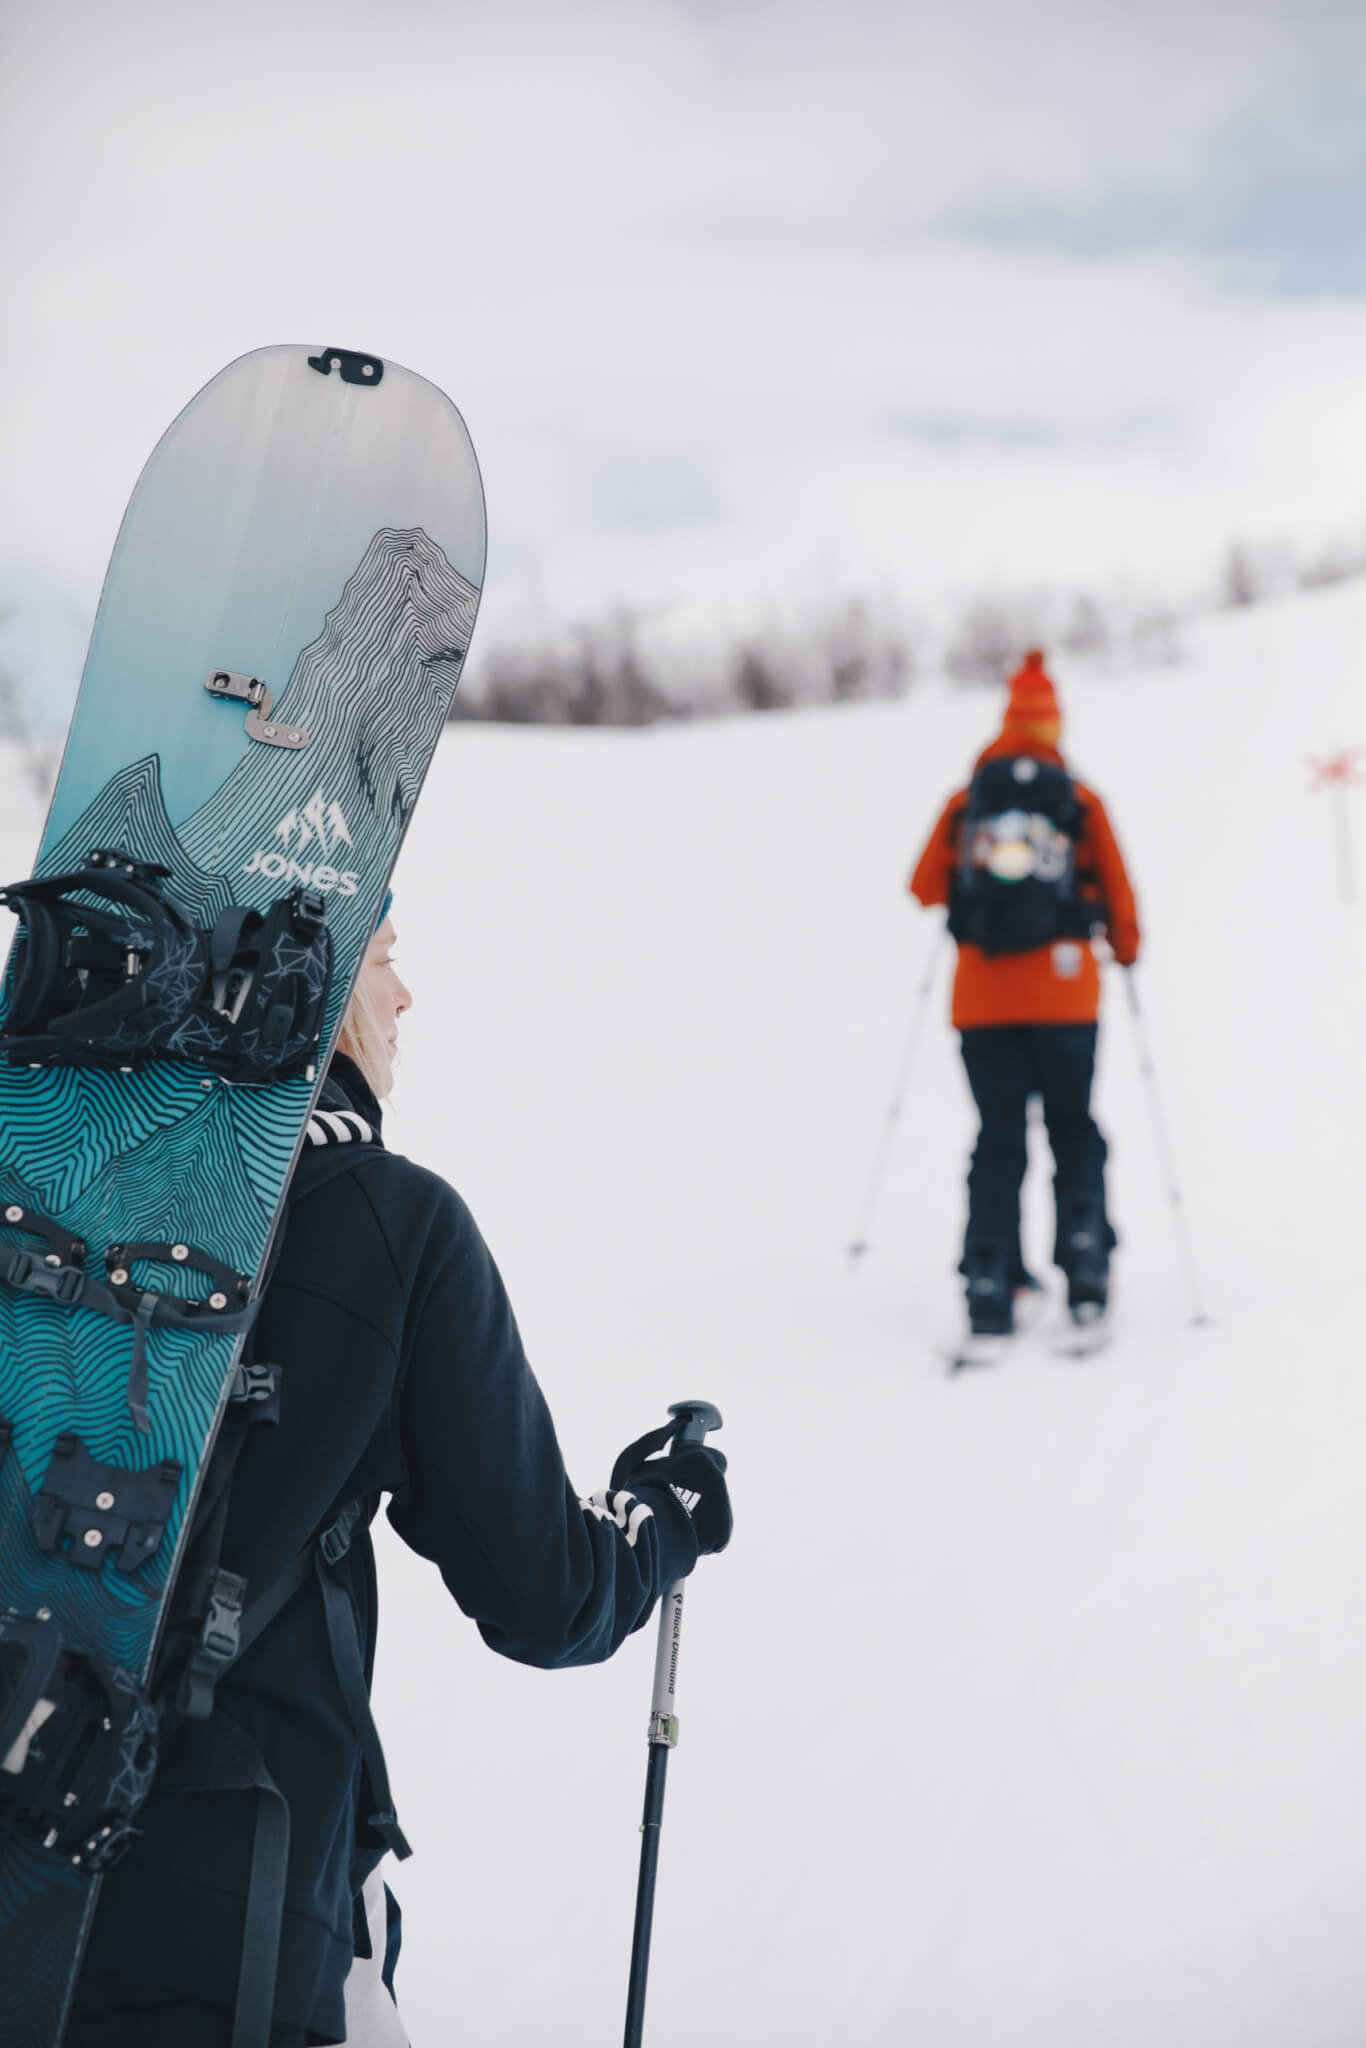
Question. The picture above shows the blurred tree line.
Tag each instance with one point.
(621, 670)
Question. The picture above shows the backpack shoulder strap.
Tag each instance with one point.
(320, 1561)
(203, 1637)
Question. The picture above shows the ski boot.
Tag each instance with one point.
(991, 1310)
(1083, 1252)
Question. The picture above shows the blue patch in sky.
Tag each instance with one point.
(1279, 209)
(954, 431)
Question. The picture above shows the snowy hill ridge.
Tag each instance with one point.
(1024, 1709)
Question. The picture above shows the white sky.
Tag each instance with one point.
(742, 299)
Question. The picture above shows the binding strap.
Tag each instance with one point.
(112, 973)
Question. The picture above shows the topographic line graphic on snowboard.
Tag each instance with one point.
(283, 624)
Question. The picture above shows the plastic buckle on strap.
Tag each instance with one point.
(33, 1273)
(254, 1384)
(220, 1639)
(335, 1540)
(338, 1536)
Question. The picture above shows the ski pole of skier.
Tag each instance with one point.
(696, 1420)
(1164, 1152)
(860, 1240)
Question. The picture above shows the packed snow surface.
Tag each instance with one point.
(1026, 1707)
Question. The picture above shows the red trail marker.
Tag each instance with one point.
(1339, 772)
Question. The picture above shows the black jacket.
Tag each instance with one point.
(402, 1373)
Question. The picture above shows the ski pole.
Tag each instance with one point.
(1164, 1150)
(696, 1418)
(859, 1243)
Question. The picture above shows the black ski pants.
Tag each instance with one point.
(1006, 1064)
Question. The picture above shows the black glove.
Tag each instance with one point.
(695, 1476)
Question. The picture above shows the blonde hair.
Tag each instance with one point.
(362, 1039)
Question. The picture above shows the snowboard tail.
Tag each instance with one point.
(324, 536)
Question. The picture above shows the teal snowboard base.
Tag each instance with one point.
(282, 627)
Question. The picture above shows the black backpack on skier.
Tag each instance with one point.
(1016, 885)
(213, 1619)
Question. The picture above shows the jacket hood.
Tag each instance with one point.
(345, 1088)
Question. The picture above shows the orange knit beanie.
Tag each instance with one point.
(1032, 699)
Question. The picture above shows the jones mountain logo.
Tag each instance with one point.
(317, 820)
(318, 827)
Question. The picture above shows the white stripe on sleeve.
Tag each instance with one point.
(612, 1507)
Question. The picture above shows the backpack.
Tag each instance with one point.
(1016, 884)
(213, 1621)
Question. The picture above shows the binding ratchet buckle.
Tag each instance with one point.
(112, 973)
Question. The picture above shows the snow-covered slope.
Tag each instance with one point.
(1025, 1708)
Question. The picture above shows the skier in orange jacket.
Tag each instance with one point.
(1028, 864)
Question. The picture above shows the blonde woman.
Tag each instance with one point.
(250, 1899)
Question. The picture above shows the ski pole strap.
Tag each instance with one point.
(634, 1456)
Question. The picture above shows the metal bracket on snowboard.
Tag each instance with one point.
(86, 1510)
(61, 1275)
(354, 367)
(224, 682)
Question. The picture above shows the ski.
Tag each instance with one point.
(1076, 1337)
(1083, 1336)
(976, 1349)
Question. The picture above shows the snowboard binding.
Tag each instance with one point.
(109, 972)
(78, 1744)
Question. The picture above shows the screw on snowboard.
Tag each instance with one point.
(283, 623)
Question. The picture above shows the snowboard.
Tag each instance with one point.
(282, 626)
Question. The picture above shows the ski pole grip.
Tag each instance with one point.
(695, 1419)
(698, 1419)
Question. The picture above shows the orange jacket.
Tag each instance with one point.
(1057, 984)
